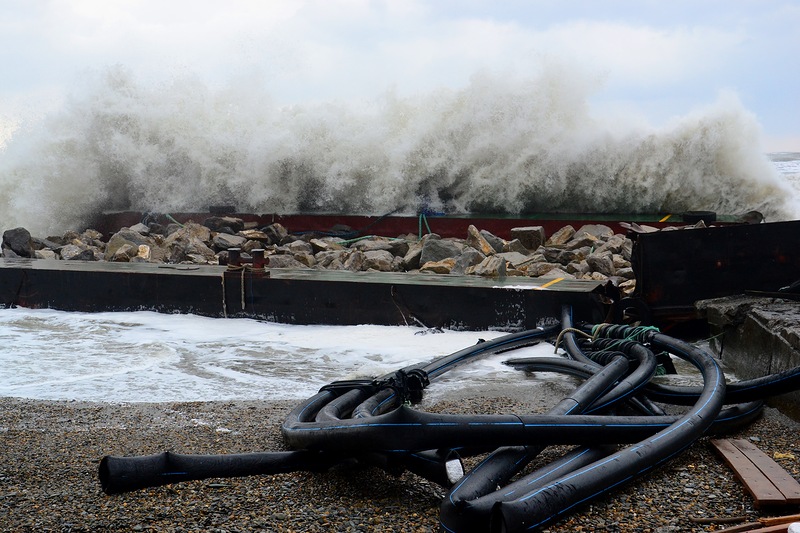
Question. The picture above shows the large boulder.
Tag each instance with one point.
(562, 236)
(438, 249)
(225, 241)
(531, 237)
(276, 233)
(189, 244)
(125, 236)
(476, 239)
(598, 231)
(493, 266)
(470, 257)
(496, 242)
(17, 242)
(601, 263)
(381, 260)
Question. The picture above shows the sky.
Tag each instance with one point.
(651, 59)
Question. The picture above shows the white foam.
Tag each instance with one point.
(146, 356)
(499, 144)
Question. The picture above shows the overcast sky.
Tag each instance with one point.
(651, 58)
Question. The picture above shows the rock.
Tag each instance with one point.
(562, 256)
(445, 266)
(626, 273)
(190, 231)
(561, 236)
(515, 258)
(285, 261)
(438, 249)
(42, 244)
(171, 228)
(516, 245)
(539, 269)
(73, 252)
(192, 250)
(601, 263)
(92, 237)
(578, 269)
(298, 247)
(620, 262)
(45, 254)
(325, 259)
(598, 231)
(276, 233)
(584, 241)
(141, 229)
(355, 261)
(531, 237)
(251, 245)
(255, 235)
(477, 240)
(614, 244)
(411, 259)
(218, 224)
(306, 258)
(556, 273)
(381, 260)
(492, 266)
(19, 241)
(497, 243)
(124, 253)
(469, 257)
(189, 244)
(398, 247)
(326, 244)
(223, 241)
(123, 237)
(144, 253)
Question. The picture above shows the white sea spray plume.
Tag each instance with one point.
(501, 144)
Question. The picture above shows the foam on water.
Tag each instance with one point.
(146, 356)
(499, 144)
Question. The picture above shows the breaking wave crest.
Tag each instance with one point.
(498, 145)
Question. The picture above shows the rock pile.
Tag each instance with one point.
(593, 251)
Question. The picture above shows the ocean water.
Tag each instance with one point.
(153, 357)
(497, 145)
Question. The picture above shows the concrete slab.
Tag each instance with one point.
(756, 336)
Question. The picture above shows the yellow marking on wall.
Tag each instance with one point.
(665, 218)
(549, 283)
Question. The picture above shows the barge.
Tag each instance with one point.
(673, 270)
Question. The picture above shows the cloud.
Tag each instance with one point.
(636, 52)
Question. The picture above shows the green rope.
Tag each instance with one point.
(169, 217)
(423, 218)
(351, 241)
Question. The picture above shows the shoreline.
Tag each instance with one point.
(48, 477)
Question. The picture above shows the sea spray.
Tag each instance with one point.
(497, 145)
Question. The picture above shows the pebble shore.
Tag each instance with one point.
(51, 452)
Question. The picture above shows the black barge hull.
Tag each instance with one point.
(299, 296)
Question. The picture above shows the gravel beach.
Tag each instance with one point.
(51, 452)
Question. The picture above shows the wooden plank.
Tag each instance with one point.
(779, 477)
(781, 528)
(757, 484)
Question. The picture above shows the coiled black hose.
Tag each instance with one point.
(619, 432)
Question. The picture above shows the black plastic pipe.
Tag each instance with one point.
(548, 503)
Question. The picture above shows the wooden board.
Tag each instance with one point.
(764, 479)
